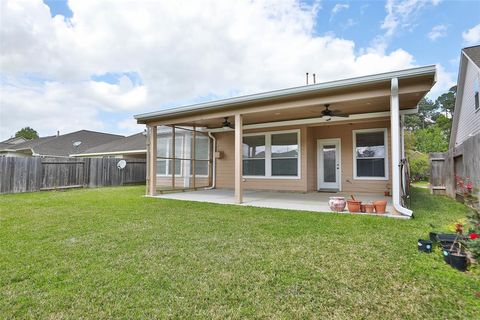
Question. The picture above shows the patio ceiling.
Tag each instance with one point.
(355, 99)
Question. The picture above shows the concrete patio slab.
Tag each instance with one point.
(313, 201)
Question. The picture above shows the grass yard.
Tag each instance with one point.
(111, 253)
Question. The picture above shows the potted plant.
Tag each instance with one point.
(380, 206)
(455, 255)
(353, 204)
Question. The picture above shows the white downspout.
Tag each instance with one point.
(214, 159)
(395, 137)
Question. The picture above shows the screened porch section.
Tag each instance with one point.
(183, 158)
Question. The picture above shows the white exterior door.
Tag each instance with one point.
(328, 164)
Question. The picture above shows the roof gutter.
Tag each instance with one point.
(95, 154)
(266, 96)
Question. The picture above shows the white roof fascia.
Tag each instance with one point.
(94, 154)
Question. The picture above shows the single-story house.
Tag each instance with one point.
(340, 136)
(134, 146)
(461, 161)
(58, 145)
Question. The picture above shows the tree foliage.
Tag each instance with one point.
(27, 133)
(429, 131)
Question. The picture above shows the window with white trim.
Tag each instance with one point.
(164, 150)
(476, 91)
(273, 154)
(370, 154)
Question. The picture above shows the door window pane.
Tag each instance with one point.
(329, 164)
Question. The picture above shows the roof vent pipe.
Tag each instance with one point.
(58, 133)
(307, 77)
(314, 81)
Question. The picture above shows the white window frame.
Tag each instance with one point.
(268, 155)
(167, 161)
(385, 138)
(476, 92)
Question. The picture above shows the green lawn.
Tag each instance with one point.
(111, 253)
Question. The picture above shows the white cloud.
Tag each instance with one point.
(438, 31)
(181, 50)
(339, 7)
(445, 80)
(401, 14)
(472, 36)
(129, 126)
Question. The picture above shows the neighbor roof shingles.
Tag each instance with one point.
(474, 54)
(131, 143)
(63, 145)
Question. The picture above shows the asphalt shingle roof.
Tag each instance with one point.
(131, 143)
(63, 145)
(474, 54)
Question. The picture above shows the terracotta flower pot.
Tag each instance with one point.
(380, 206)
(369, 208)
(354, 205)
(337, 204)
(362, 208)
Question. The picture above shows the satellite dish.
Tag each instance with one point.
(77, 143)
(121, 164)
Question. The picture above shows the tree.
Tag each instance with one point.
(427, 112)
(446, 102)
(419, 166)
(431, 139)
(27, 133)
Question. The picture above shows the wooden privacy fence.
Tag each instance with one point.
(26, 174)
(438, 176)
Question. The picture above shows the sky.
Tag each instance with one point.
(72, 65)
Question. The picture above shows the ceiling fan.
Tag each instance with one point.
(328, 114)
(225, 124)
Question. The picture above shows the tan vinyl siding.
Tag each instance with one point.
(344, 132)
(225, 166)
(469, 118)
(308, 156)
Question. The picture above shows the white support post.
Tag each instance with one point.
(396, 146)
(238, 158)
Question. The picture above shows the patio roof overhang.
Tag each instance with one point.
(361, 95)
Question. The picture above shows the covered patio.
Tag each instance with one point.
(311, 201)
(343, 136)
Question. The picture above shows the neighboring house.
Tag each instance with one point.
(289, 140)
(57, 146)
(463, 158)
(12, 142)
(134, 146)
